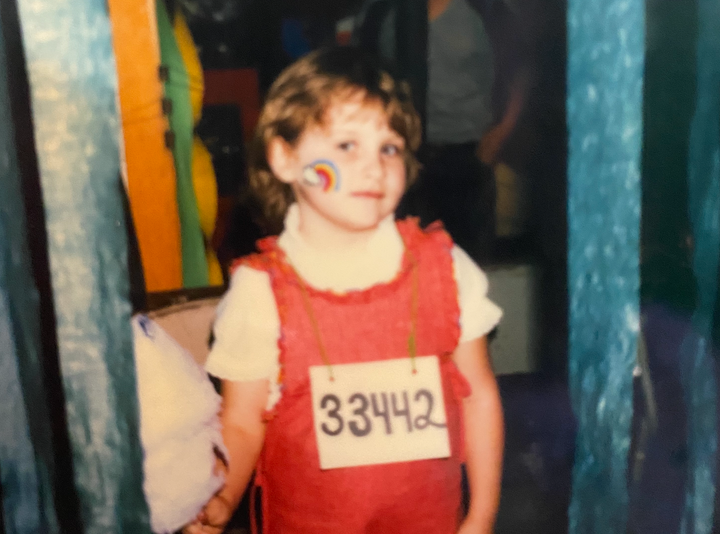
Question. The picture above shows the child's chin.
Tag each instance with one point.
(360, 225)
(365, 221)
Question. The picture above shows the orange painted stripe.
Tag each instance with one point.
(150, 172)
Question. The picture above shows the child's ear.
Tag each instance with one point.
(283, 160)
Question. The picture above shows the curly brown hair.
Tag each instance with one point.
(301, 96)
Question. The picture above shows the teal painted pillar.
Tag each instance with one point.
(26, 460)
(698, 373)
(604, 112)
(73, 90)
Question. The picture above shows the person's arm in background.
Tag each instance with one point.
(495, 138)
(511, 52)
(484, 436)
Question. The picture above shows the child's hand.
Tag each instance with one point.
(212, 518)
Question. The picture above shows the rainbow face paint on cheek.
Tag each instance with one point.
(322, 173)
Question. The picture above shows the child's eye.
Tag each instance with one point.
(390, 150)
(346, 145)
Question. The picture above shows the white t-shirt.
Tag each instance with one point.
(247, 326)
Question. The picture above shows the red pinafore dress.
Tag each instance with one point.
(422, 496)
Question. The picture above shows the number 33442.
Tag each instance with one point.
(363, 414)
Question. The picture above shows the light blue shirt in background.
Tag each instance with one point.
(460, 76)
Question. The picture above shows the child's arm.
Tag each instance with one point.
(243, 431)
(483, 436)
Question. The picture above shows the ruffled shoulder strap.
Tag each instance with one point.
(263, 260)
(417, 239)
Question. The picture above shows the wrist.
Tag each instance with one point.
(504, 127)
(227, 499)
(481, 519)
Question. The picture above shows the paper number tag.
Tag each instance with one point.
(379, 412)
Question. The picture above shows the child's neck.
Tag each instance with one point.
(322, 236)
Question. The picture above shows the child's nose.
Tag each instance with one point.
(374, 167)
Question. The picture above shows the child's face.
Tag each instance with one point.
(348, 174)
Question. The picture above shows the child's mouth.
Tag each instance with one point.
(368, 194)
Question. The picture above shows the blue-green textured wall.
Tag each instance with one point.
(604, 113)
(697, 363)
(73, 85)
(25, 443)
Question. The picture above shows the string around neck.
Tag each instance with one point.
(414, 305)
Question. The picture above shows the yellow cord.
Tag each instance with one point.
(412, 338)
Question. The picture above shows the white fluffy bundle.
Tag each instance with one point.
(179, 428)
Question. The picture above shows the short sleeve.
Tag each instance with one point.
(478, 314)
(246, 330)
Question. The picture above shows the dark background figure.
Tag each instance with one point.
(473, 86)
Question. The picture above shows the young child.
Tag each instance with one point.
(352, 349)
